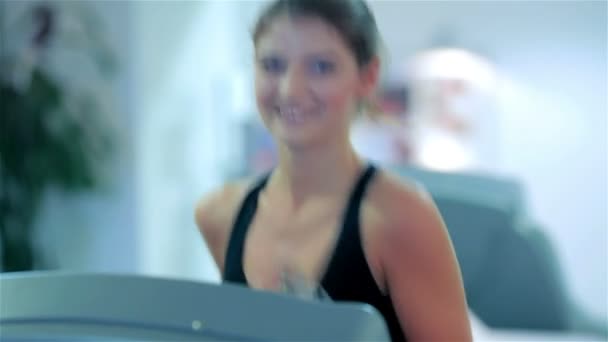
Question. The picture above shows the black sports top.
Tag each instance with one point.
(347, 278)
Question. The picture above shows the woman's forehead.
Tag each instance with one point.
(301, 33)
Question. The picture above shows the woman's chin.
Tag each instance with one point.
(297, 140)
(297, 143)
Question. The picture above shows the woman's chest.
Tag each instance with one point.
(303, 248)
(276, 245)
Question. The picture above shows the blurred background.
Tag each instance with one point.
(117, 116)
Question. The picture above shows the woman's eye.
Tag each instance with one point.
(322, 67)
(273, 65)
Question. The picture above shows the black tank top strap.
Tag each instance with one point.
(351, 217)
(348, 252)
(233, 268)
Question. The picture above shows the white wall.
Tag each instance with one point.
(192, 56)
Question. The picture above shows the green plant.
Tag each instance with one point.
(50, 134)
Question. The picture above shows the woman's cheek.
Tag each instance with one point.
(264, 96)
(337, 93)
(339, 102)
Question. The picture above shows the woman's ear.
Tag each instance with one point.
(368, 77)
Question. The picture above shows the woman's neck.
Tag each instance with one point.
(316, 171)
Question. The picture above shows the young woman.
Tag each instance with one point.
(324, 214)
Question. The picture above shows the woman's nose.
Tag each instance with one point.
(293, 84)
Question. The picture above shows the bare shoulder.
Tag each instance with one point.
(418, 262)
(401, 202)
(410, 222)
(215, 214)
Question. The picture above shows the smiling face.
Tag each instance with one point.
(307, 80)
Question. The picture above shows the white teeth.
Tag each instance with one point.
(292, 115)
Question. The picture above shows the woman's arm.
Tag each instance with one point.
(421, 271)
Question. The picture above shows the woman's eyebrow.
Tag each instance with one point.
(329, 54)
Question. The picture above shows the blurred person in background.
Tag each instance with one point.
(452, 112)
(323, 214)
